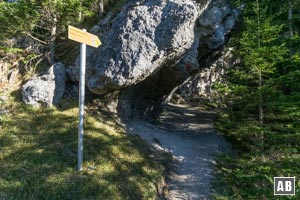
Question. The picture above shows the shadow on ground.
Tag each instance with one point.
(188, 134)
(38, 155)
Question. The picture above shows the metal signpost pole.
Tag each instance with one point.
(81, 102)
(84, 38)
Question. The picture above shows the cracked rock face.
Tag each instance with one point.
(215, 23)
(144, 36)
(201, 85)
(47, 89)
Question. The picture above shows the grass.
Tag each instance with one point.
(38, 156)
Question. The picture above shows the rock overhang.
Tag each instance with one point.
(144, 36)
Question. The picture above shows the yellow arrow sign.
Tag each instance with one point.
(83, 37)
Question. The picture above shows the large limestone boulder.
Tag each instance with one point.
(148, 35)
(151, 47)
(46, 89)
(144, 36)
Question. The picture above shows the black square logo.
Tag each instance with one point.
(284, 185)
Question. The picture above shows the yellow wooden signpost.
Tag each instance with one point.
(84, 38)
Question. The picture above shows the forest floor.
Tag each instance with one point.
(188, 134)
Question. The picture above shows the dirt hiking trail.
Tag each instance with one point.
(188, 133)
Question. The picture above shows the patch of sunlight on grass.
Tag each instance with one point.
(38, 157)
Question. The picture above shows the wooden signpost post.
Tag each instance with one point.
(84, 38)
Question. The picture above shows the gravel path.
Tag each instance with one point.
(188, 134)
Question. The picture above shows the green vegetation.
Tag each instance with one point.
(262, 120)
(40, 27)
(38, 147)
(38, 156)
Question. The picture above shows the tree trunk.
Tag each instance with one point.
(260, 84)
(52, 44)
(290, 18)
(101, 8)
(286, 89)
(80, 12)
(260, 101)
(53, 38)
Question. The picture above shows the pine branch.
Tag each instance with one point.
(28, 34)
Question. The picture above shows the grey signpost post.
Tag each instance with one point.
(84, 38)
(81, 102)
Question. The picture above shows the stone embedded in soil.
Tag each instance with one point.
(46, 89)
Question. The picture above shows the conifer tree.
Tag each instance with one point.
(41, 21)
(260, 50)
